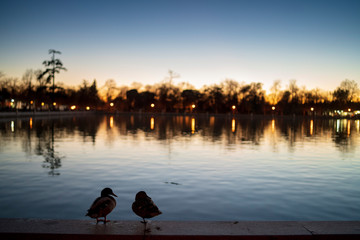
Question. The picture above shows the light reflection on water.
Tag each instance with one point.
(194, 168)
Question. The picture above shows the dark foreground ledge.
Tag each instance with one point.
(87, 229)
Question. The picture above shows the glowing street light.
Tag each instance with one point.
(87, 108)
(349, 110)
(152, 105)
(273, 108)
(193, 106)
(111, 104)
(54, 103)
(312, 109)
(73, 107)
(233, 107)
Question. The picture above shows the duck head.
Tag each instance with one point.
(107, 192)
(141, 195)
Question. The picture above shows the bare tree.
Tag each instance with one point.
(352, 87)
(275, 92)
(110, 89)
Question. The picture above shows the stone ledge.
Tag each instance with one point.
(88, 229)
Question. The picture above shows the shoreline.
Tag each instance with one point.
(88, 229)
(20, 114)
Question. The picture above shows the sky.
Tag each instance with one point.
(315, 42)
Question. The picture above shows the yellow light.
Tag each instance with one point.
(273, 108)
(73, 107)
(233, 107)
(111, 104)
(42, 104)
(54, 103)
(349, 110)
(152, 105)
(111, 122)
(192, 125)
(193, 106)
(31, 123)
(312, 109)
(31, 102)
(233, 125)
(152, 123)
(87, 108)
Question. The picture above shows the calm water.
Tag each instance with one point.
(194, 168)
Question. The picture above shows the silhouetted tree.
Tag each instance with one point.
(52, 66)
(190, 97)
(132, 98)
(27, 87)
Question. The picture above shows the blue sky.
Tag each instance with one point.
(315, 42)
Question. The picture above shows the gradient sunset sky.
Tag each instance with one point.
(315, 42)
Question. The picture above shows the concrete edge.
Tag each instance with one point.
(88, 229)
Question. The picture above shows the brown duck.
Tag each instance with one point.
(102, 205)
(144, 207)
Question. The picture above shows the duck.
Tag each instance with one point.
(144, 206)
(102, 205)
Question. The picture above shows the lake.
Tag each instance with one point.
(193, 167)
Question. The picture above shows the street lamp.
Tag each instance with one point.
(152, 105)
(111, 104)
(273, 108)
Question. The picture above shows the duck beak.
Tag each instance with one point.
(114, 194)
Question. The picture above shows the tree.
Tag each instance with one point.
(275, 92)
(293, 89)
(110, 89)
(28, 87)
(351, 87)
(231, 89)
(52, 66)
(190, 97)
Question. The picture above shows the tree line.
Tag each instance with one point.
(37, 90)
(34, 91)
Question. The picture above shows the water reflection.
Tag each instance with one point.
(233, 125)
(152, 123)
(232, 130)
(301, 164)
